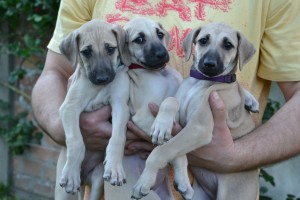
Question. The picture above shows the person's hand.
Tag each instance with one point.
(219, 154)
(96, 128)
(139, 141)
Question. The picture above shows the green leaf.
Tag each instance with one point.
(37, 18)
(16, 75)
(267, 177)
(264, 198)
(263, 190)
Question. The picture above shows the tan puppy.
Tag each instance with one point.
(95, 50)
(151, 80)
(218, 49)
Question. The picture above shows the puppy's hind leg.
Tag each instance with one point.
(181, 178)
(97, 182)
(60, 193)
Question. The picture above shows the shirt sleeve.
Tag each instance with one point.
(280, 45)
(71, 15)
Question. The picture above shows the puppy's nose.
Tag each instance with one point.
(161, 54)
(210, 63)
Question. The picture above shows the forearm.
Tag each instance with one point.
(48, 94)
(276, 140)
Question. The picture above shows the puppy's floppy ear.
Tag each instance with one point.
(69, 47)
(188, 42)
(167, 35)
(120, 34)
(245, 50)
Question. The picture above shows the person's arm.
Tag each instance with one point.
(276, 140)
(49, 93)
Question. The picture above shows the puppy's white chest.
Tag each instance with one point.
(190, 97)
(100, 99)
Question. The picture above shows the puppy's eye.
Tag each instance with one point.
(110, 50)
(86, 52)
(139, 40)
(227, 45)
(203, 41)
(160, 35)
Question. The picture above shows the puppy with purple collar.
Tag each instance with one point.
(219, 50)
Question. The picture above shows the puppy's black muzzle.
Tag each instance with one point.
(156, 56)
(101, 73)
(211, 64)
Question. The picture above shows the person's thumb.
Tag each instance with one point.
(218, 108)
(154, 108)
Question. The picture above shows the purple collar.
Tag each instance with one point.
(230, 78)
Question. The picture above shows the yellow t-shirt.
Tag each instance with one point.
(271, 25)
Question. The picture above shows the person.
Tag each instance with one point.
(271, 25)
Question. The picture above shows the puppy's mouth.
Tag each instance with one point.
(211, 72)
(154, 66)
(101, 78)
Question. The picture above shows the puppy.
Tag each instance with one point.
(96, 51)
(218, 50)
(151, 80)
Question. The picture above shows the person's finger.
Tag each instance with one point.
(140, 146)
(144, 155)
(137, 131)
(176, 129)
(154, 108)
(218, 108)
(91, 118)
(129, 152)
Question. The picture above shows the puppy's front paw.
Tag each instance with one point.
(70, 180)
(161, 130)
(251, 104)
(114, 173)
(143, 186)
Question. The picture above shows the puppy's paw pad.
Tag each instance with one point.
(185, 190)
(114, 175)
(139, 192)
(251, 104)
(252, 108)
(71, 183)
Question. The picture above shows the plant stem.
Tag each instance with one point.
(16, 90)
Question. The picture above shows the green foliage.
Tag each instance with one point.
(4, 193)
(30, 24)
(18, 131)
(26, 28)
(267, 177)
(271, 108)
(292, 197)
(263, 190)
